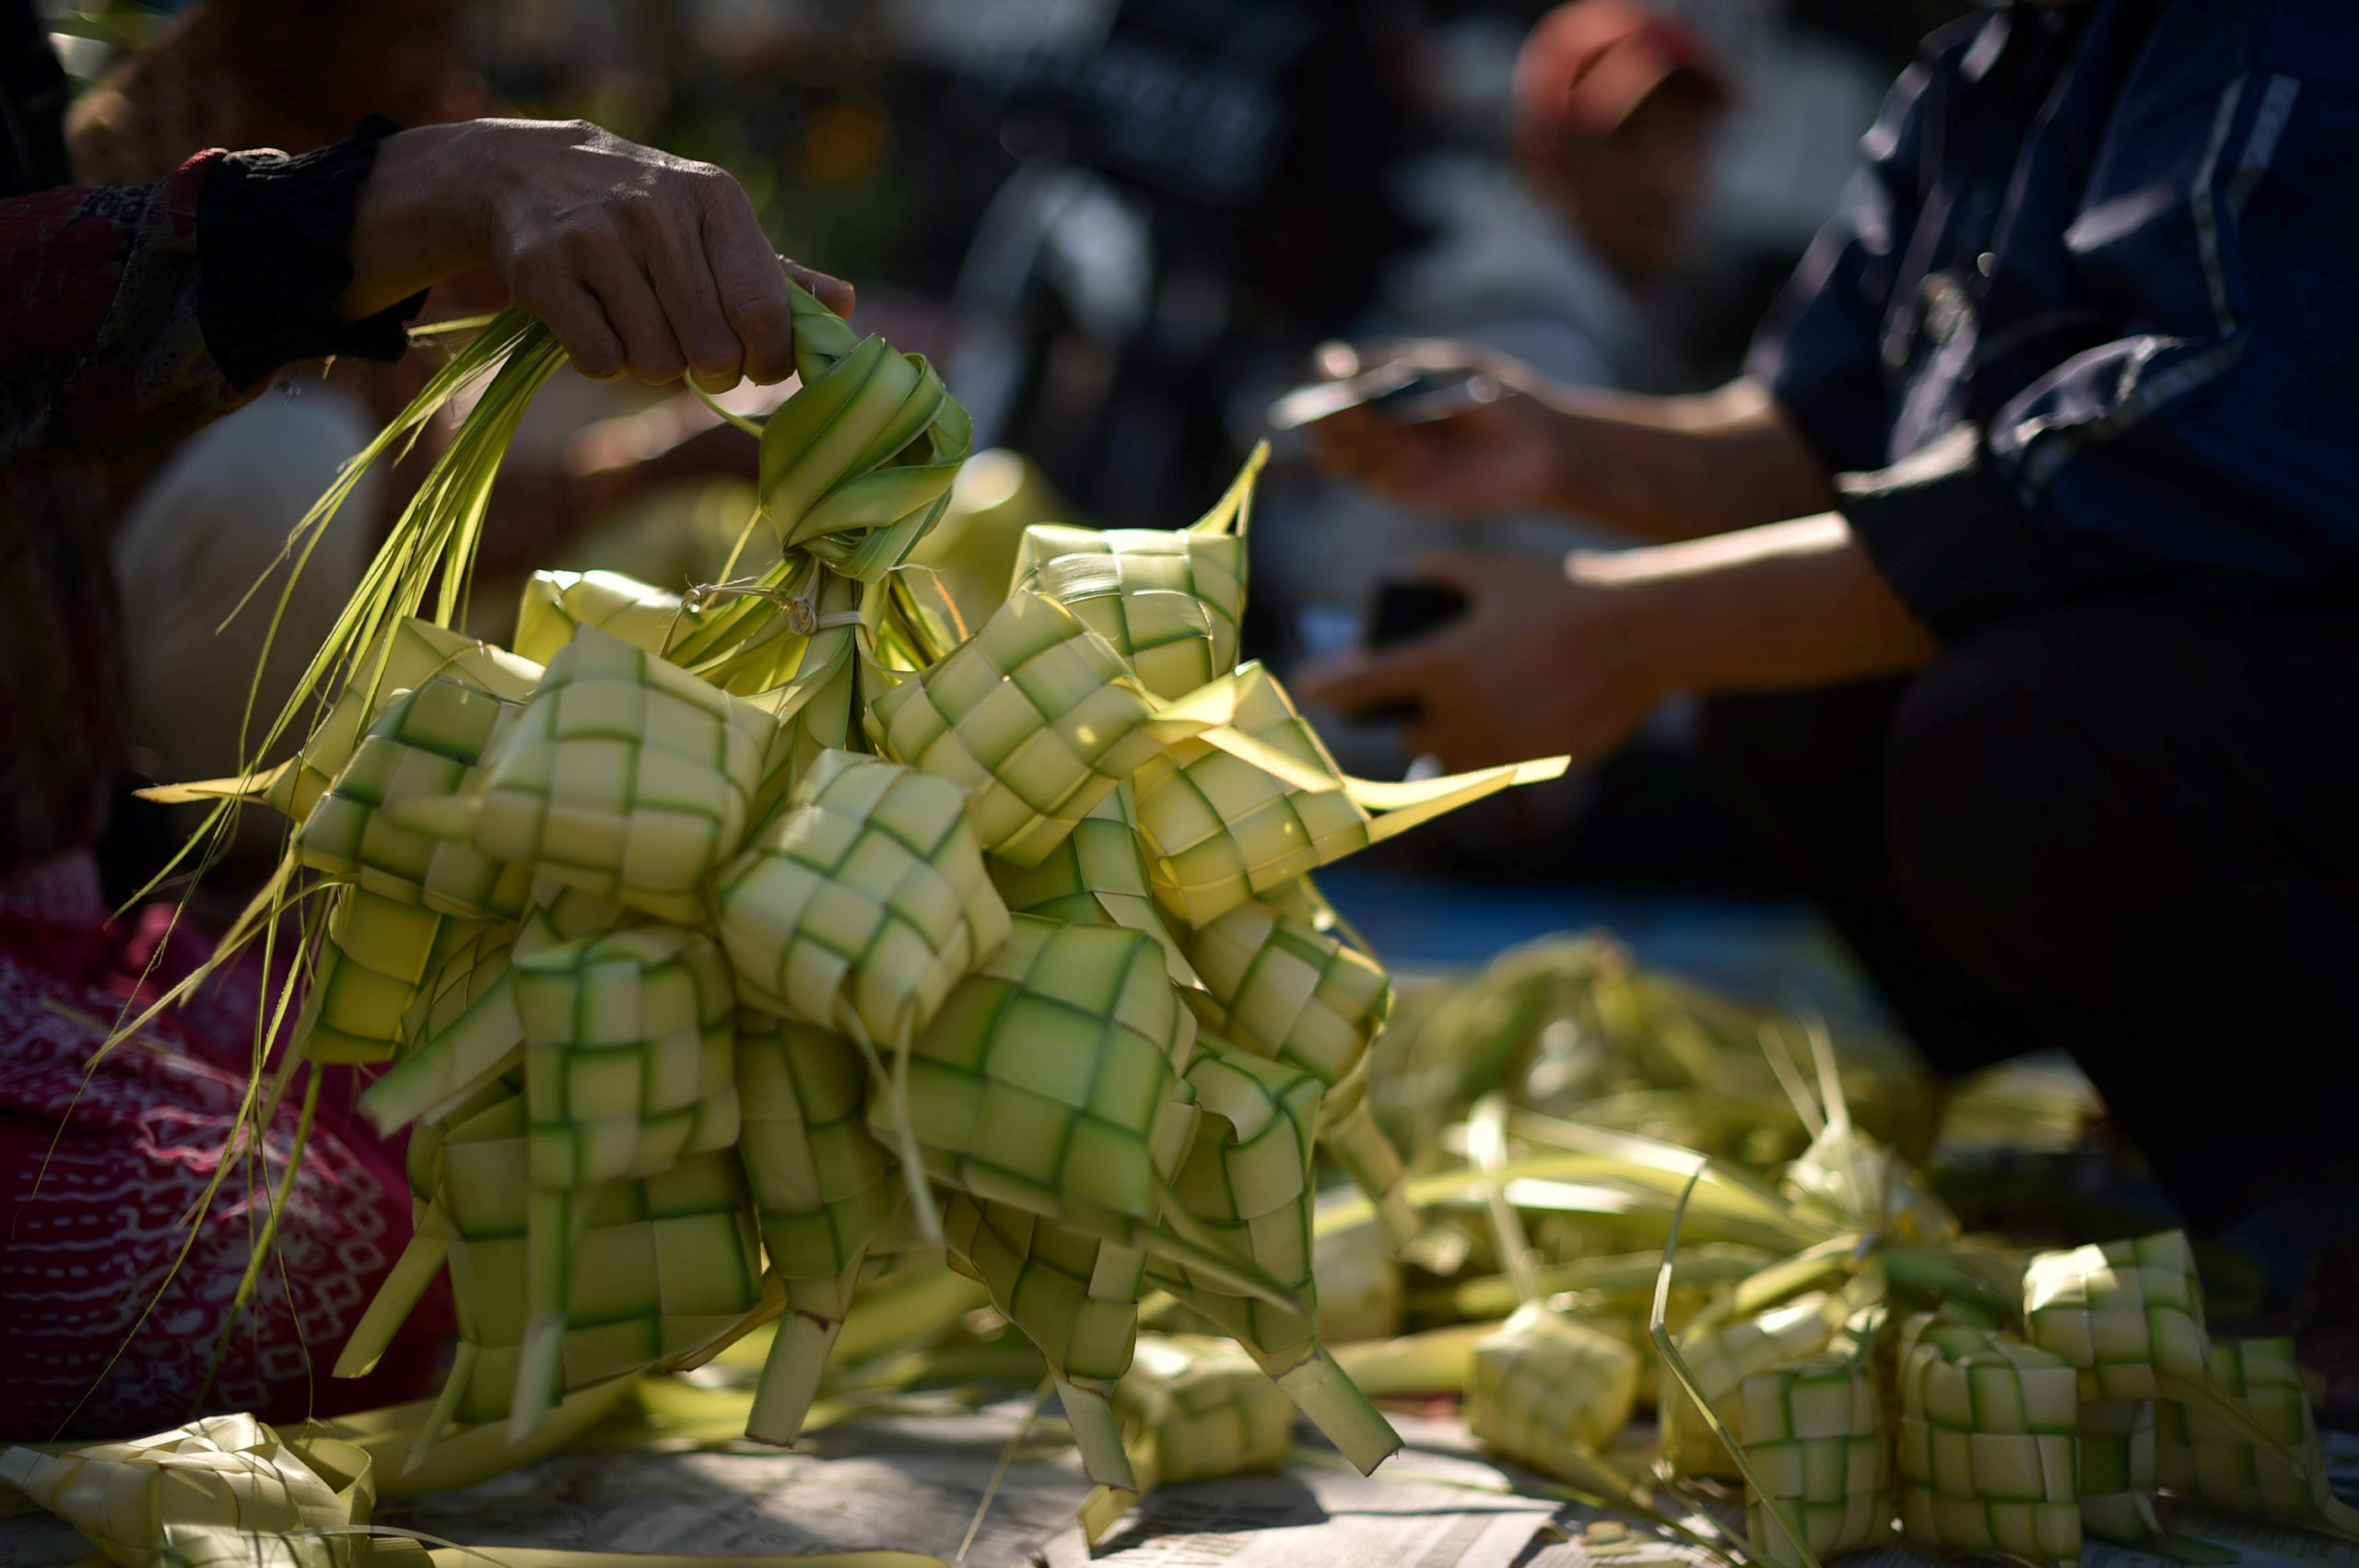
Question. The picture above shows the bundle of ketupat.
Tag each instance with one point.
(686, 944)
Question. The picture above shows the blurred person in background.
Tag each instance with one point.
(2020, 571)
(1205, 191)
(131, 315)
(1610, 137)
(1557, 249)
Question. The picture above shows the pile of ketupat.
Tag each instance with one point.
(1833, 1349)
(713, 944)
(730, 954)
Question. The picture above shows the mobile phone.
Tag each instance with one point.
(1398, 612)
(1402, 393)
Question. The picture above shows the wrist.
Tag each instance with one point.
(1569, 462)
(1642, 615)
(419, 217)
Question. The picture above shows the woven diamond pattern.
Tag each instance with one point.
(663, 1265)
(1048, 1077)
(629, 1054)
(1281, 990)
(2198, 1456)
(1169, 601)
(1814, 1432)
(1196, 1410)
(868, 898)
(2117, 1475)
(1721, 1356)
(1545, 1385)
(624, 777)
(1989, 1429)
(1220, 830)
(377, 955)
(823, 1184)
(2123, 1313)
(1247, 1176)
(1035, 716)
(426, 743)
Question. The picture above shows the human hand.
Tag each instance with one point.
(641, 262)
(1548, 658)
(1496, 453)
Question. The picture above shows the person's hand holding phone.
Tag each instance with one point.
(1542, 659)
(1450, 428)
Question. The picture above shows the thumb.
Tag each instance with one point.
(1461, 570)
(829, 290)
(1365, 678)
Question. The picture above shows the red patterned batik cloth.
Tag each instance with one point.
(113, 1306)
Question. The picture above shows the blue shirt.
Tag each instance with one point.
(2087, 326)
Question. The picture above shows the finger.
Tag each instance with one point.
(1349, 440)
(573, 313)
(825, 287)
(684, 288)
(627, 296)
(1335, 360)
(1365, 679)
(751, 283)
(1453, 569)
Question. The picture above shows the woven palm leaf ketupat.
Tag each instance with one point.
(425, 745)
(1192, 1409)
(629, 1068)
(1098, 876)
(824, 1187)
(463, 1031)
(2127, 1314)
(864, 904)
(1036, 716)
(1722, 1354)
(660, 1268)
(1074, 1296)
(1221, 829)
(1548, 1390)
(1170, 602)
(230, 1472)
(1282, 989)
(687, 954)
(376, 957)
(555, 605)
(1541, 1388)
(1814, 1430)
(1247, 1178)
(2198, 1456)
(1048, 1080)
(1989, 1458)
(624, 777)
(2117, 1471)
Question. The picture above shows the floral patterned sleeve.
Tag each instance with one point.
(98, 316)
(131, 314)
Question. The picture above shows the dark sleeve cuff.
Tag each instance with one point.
(271, 237)
(1951, 537)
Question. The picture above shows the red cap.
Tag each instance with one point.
(1589, 64)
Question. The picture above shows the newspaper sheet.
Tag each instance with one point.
(915, 1481)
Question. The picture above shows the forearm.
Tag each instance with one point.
(1674, 468)
(1776, 607)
